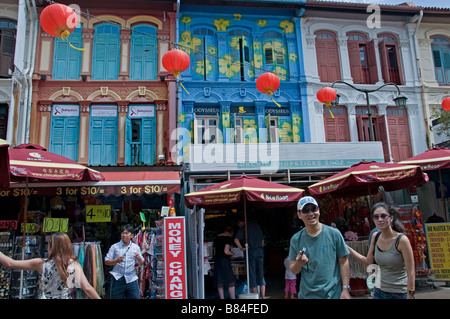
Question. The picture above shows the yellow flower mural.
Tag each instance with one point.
(186, 20)
(286, 133)
(281, 72)
(182, 117)
(229, 67)
(187, 43)
(200, 67)
(257, 61)
(288, 27)
(262, 23)
(293, 57)
(237, 16)
(221, 24)
(250, 131)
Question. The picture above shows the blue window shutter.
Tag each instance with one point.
(64, 136)
(106, 52)
(95, 141)
(148, 141)
(128, 141)
(57, 136)
(103, 135)
(143, 59)
(110, 142)
(66, 60)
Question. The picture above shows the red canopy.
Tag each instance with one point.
(230, 194)
(4, 164)
(436, 158)
(32, 161)
(364, 178)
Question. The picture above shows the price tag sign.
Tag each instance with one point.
(54, 225)
(98, 213)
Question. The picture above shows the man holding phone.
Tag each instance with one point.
(320, 254)
(123, 256)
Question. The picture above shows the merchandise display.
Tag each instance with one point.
(6, 247)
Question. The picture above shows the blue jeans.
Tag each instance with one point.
(256, 271)
(119, 289)
(379, 294)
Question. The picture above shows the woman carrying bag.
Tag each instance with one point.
(60, 272)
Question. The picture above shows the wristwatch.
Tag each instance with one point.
(411, 292)
(346, 287)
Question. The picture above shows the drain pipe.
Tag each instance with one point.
(422, 85)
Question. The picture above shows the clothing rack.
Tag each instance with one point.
(90, 257)
(151, 274)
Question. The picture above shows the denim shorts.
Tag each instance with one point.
(380, 294)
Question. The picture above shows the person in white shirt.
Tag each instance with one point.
(123, 256)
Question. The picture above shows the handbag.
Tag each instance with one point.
(41, 283)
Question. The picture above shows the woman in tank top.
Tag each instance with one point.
(60, 272)
(391, 250)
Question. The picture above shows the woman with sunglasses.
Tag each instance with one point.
(391, 250)
(60, 272)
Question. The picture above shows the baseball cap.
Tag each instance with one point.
(306, 200)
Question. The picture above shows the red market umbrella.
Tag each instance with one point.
(433, 160)
(30, 162)
(364, 178)
(236, 192)
(35, 163)
(4, 164)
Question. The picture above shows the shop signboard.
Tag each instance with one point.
(98, 213)
(55, 225)
(127, 190)
(175, 257)
(438, 240)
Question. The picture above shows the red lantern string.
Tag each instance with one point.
(176, 61)
(446, 104)
(59, 20)
(327, 95)
(268, 83)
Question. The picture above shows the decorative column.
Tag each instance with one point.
(226, 127)
(125, 36)
(162, 134)
(83, 147)
(260, 108)
(86, 67)
(123, 112)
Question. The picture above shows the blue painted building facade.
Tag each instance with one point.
(229, 47)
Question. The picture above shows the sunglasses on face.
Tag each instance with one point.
(381, 216)
(310, 209)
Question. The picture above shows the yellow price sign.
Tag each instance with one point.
(54, 225)
(98, 213)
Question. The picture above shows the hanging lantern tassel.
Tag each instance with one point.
(268, 83)
(328, 105)
(269, 93)
(177, 75)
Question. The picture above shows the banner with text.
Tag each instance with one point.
(438, 239)
(175, 257)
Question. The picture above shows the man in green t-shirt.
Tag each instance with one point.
(319, 253)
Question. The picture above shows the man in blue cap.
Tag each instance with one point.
(320, 254)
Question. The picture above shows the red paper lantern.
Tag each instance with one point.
(326, 95)
(446, 104)
(176, 61)
(58, 20)
(267, 83)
